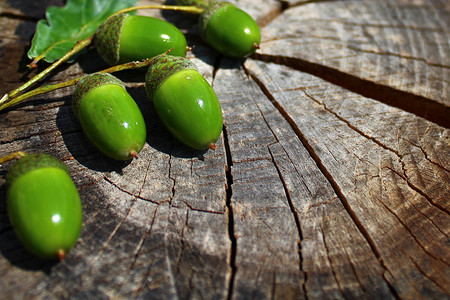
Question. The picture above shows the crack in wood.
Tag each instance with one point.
(442, 288)
(355, 273)
(172, 189)
(320, 203)
(138, 196)
(122, 220)
(418, 105)
(412, 234)
(137, 253)
(418, 210)
(330, 179)
(231, 233)
(296, 219)
(181, 244)
(330, 262)
(399, 55)
(425, 154)
(198, 209)
(379, 143)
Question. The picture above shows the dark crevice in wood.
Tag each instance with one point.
(285, 4)
(410, 231)
(376, 141)
(137, 252)
(425, 154)
(416, 189)
(16, 16)
(131, 194)
(386, 53)
(200, 210)
(321, 203)
(172, 189)
(423, 107)
(296, 219)
(182, 247)
(229, 194)
(288, 196)
(329, 178)
(94, 182)
(331, 263)
(444, 289)
(273, 14)
(352, 266)
(110, 237)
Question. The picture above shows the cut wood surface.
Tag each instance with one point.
(330, 180)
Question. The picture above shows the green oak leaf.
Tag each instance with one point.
(64, 26)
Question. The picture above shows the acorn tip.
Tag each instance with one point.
(256, 46)
(61, 254)
(212, 146)
(32, 65)
(134, 154)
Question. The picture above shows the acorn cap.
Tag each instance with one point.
(89, 82)
(32, 162)
(210, 10)
(107, 38)
(162, 67)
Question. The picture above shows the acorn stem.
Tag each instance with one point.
(61, 254)
(14, 155)
(187, 8)
(51, 87)
(80, 45)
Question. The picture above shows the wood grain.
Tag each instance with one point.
(330, 179)
(388, 50)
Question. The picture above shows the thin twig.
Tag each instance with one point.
(53, 87)
(14, 155)
(190, 9)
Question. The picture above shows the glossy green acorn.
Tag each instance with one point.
(184, 101)
(109, 116)
(43, 205)
(124, 38)
(229, 29)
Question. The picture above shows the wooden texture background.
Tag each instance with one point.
(330, 179)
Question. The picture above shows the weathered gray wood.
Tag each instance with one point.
(318, 188)
(389, 50)
(373, 167)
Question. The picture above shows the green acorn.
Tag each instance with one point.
(43, 205)
(109, 116)
(229, 29)
(124, 38)
(184, 101)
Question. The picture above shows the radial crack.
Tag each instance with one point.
(297, 223)
(423, 107)
(335, 186)
(231, 234)
(379, 143)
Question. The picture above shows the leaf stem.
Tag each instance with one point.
(14, 155)
(80, 45)
(188, 8)
(53, 87)
(16, 96)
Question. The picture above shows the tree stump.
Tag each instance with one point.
(330, 179)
